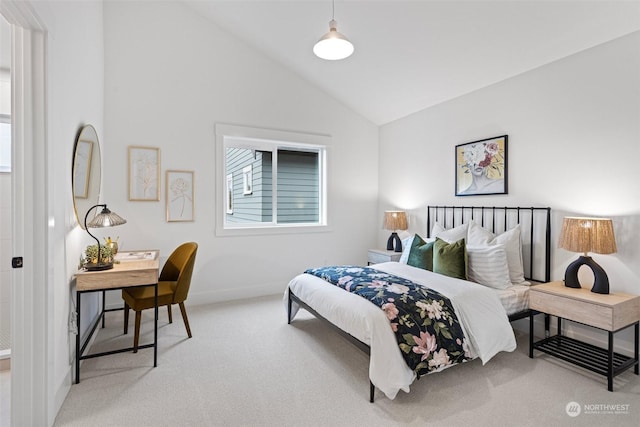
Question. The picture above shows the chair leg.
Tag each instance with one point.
(185, 319)
(126, 318)
(136, 336)
(169, 312)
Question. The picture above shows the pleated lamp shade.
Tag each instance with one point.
(106, 218)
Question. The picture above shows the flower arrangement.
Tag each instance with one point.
(486, 155)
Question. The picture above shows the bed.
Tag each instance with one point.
(480, 313)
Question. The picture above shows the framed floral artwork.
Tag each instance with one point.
(179, 196)
(481, 167)
(144, 173)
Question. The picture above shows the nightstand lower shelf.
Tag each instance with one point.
(588, 356)
(583, 354)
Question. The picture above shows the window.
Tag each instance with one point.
(271, 179)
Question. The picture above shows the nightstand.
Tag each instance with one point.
(610, 312)
(376, 256)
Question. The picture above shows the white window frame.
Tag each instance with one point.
(268, 140)
(247, 180)
(229, 194)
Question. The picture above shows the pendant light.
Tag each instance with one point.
(333, 45)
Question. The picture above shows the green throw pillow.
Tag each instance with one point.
(450, 259)
(421, 254)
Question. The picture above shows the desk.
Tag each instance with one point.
(133, 270)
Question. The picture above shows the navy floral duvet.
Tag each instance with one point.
(424, 322)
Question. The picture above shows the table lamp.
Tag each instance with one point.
(395, 220)
(587, 235)
(105, 218)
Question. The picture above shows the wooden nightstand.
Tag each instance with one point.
(376, 256)
(611, 312)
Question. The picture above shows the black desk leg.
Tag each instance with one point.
(78, 337)
(104, 293)
(155, 330)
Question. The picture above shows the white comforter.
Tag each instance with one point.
(481, 316)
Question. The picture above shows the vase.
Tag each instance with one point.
(114, 247)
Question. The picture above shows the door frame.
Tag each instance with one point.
(31, 385)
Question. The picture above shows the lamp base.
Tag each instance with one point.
(394, 243)
(601, 280)
(98, 267)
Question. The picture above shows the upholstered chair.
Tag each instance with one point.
(173, 288)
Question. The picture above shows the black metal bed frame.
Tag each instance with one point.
(451, 216)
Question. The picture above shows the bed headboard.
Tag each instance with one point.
(535, 230)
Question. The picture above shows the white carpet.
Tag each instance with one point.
(245, 366)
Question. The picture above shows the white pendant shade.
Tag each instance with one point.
(333, 45)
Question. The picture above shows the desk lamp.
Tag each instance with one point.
(395, 220)
(105, 218)
(587, 235)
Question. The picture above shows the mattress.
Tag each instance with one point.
(479, 310)
(514, 299)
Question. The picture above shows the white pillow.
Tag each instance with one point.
(406, 248)
(479, 236)
(450, 235)
(488, 266)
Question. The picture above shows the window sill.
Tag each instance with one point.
(271, 230)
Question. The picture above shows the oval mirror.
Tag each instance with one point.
(86, 173)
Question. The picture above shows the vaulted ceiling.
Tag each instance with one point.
(410, 55)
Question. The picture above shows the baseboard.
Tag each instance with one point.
(232, 294)
(60, 394)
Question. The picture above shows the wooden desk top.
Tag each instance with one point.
(134, 269)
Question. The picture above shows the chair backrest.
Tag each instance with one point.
(179, 269)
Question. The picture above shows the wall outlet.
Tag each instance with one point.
(73, 323)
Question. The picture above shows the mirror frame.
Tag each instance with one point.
(86, 172)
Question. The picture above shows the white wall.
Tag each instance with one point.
(574, 144)
(75, 97)
(170, 76)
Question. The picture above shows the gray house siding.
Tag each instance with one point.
(298, 187)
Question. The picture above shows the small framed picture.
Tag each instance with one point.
(144, 173)
(179, 196)
(481, 167)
